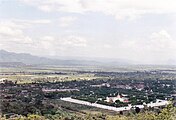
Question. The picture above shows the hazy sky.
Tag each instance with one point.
(139, 30)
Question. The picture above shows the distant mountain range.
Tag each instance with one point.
(23, 59)
(10, 58)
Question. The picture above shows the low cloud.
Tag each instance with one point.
(107, 46)
(12, 32)
(75, 41)
(161, 40)
(13, 36)
(14, 29)
(157, 48)
(67, 21)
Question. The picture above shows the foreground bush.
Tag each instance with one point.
(168, 113)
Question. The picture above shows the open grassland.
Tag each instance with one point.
(29, 74)
(48, 78)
